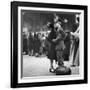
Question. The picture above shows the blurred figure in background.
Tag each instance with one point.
(67, 42)
(43, 44)
(37, 45)
(31, 44)
(74, 56)
(25, 44)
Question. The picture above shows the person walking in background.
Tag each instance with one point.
(43, 44)
(31, 44)
(25, 44)
(36, 45)
(67, 42)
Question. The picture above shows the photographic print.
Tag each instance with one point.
(48, 42)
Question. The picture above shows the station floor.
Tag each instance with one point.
(39, 66)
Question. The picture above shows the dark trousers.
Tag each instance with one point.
(59, 55)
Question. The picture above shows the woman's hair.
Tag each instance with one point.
(50, 25)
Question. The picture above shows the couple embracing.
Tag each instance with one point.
(56, 44)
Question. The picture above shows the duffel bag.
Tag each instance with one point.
(63, 70)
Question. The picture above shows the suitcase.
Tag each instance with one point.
(63, 70)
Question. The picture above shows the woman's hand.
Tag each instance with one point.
(54, 40)
(76, 35)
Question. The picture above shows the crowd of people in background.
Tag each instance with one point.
(34, 43)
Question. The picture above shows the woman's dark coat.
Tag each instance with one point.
(51, 46)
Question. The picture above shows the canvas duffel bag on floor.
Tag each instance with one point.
(63, 70)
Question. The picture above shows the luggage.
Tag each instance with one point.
(62, 70)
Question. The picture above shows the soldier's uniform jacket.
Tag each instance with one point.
(60, 40)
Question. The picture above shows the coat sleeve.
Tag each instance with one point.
(63, 34)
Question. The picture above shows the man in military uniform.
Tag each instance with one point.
(59, 41)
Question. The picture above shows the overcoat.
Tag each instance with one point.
(60, 40)
(51, 46)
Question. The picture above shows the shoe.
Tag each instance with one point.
(52, 70)
(73, 65)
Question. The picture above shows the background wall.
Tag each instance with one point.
(5, 45)
(36, 20)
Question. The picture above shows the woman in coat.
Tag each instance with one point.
(51, 46)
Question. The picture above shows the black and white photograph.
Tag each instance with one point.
(50, 44)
